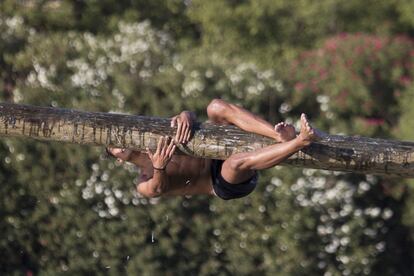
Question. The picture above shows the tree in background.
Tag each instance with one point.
(70, 210)
(354, 79)
(270, 32)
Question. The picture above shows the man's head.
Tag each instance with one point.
(140, 159)
(120, 154)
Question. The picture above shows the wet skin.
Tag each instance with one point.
(163, 173)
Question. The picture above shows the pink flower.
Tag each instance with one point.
(359, 50)
(323, 73)
(374, 121)
(343, 35)
(405, 80)
(299, 86)
(368, 72)
(331, 44)
(378, 44)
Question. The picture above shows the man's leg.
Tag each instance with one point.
(241, 167)
(222, 112)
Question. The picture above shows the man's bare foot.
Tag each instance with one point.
(307, 133)
(285, 132)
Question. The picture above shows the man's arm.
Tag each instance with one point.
(155, 186)
(159, 183)
(184, 123)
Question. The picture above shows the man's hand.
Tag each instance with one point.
(163, 154)
(184, 122)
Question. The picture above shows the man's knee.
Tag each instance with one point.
(217, 109)
(238, 163)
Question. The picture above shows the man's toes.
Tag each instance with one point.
(304, 119)
(278, 126)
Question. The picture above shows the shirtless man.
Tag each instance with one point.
(163, 173)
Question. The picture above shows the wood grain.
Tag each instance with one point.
(333, 152)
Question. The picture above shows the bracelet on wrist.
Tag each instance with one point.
(159, 169)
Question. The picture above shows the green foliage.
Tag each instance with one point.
(271, 31)
(406, 124)
(405, 131)
(204, 78)
(99, 16)
(356, 79)
(66, 208)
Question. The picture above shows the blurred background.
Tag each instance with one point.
(347, 64)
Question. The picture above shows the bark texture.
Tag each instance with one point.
(333, 152)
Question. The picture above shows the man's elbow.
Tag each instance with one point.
(150, 193)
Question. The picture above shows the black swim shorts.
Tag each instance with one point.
(226, 190)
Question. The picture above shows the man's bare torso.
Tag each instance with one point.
(163, 173)
(187, 175)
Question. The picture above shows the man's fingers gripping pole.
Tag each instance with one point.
(183, 132)
(179, 127)
(164, 146)
(174, 121)
(160, 146)
(187, 133)
(150, 155)
(157, 151)
(187, 138)
(171, 149)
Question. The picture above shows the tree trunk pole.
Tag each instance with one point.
(333, 152)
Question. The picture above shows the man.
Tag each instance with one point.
(163, 173)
